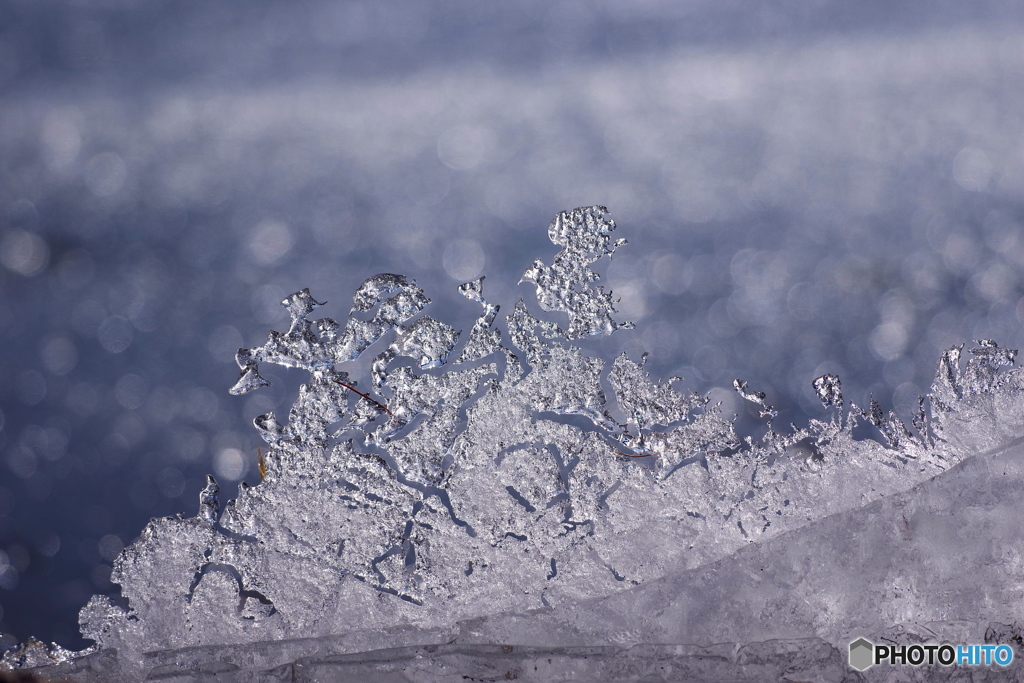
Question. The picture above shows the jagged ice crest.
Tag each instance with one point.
(475, 474)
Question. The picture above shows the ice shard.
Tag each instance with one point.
(473, 476)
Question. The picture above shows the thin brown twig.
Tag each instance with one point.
(368, 398)
(627, 455)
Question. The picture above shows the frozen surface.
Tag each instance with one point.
(779, 610)
(474, 477)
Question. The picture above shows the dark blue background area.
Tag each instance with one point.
(807, 187)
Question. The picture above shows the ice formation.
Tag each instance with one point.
(475, 475)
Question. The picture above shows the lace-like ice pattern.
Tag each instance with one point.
(477, 474)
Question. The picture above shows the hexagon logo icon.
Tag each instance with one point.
(862, 653)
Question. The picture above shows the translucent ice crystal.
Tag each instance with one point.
(473, 475)
(566, 285)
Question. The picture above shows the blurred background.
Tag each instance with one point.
(807, 187)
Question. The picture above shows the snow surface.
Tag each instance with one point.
(483, 507)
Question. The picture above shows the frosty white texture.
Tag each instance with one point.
(500, 481)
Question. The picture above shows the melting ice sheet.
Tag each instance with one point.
(485, 474)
